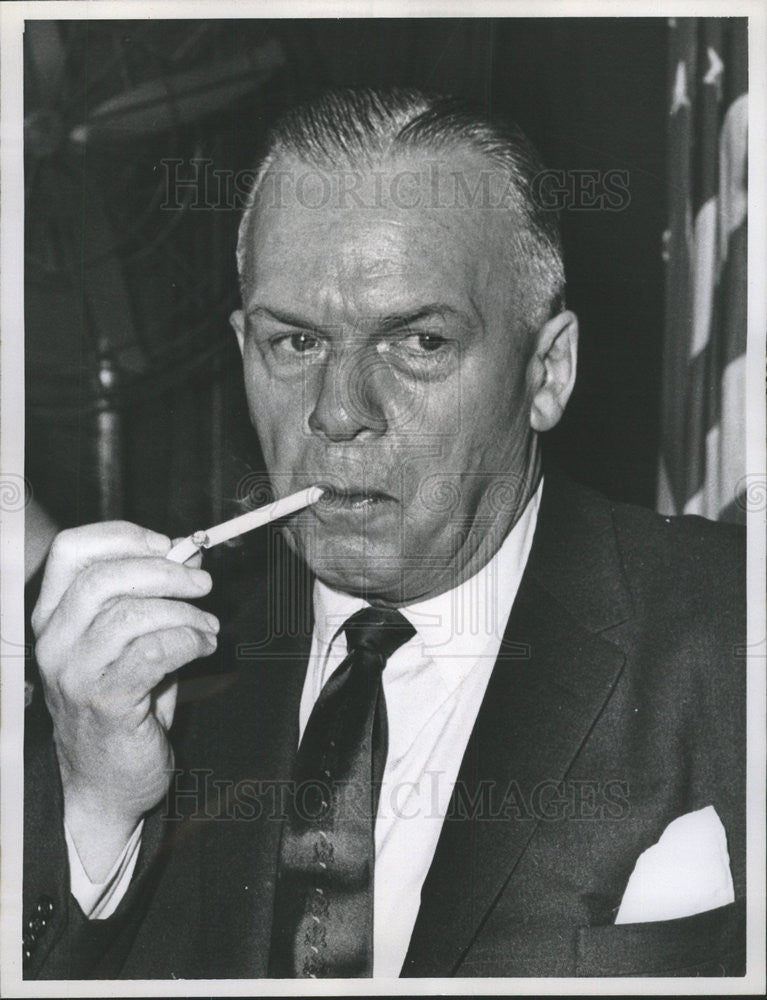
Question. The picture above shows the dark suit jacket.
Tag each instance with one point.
(616, 705)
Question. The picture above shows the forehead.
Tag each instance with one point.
(415, 228)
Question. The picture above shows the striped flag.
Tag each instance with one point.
(702, 459)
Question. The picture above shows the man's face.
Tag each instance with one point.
(384, 356)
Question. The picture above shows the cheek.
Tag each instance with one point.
(483, 431)
(420, 412)
(275, 411)
(489, 407)
(501, 396)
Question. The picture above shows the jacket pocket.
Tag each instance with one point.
(712, 943)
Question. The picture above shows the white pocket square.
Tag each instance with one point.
(686, 872)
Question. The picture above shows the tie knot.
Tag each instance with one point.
(377, 630)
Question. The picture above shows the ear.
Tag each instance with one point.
(551, 371)
(237, 322)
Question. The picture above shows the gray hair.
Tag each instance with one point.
(360, 127)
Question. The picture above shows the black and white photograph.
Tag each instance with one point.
(382, 498)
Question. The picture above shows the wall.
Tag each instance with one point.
(589, 93)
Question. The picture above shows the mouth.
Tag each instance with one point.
(352, 498)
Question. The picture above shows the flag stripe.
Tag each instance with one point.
(703, 444)
(706, 116)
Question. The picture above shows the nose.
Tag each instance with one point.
(349, 399)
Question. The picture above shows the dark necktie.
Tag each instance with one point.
(323, 911)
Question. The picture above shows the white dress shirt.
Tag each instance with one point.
(433, 685)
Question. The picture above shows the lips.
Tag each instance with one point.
(355, 498)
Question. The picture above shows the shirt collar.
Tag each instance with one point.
(459, 625)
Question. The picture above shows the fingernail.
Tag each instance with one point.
(213, 622)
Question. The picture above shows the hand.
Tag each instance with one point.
(108, 636)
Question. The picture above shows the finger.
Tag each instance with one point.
(76, 548)
(195, 560)
(150, 658)
(116, 627)
(164, 698)
(103, 583)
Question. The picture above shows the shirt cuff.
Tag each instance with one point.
(99, 900)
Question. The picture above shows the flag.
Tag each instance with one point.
(702, 454)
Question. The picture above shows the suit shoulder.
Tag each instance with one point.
(689, 543)
(688, 563)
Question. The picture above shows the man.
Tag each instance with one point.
(523, 687)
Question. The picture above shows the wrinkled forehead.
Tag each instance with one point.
(423, 220)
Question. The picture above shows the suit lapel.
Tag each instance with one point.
(281, 683)
(550, 682)
(262, 716)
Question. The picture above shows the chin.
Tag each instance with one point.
(352, 563)
(360, 584)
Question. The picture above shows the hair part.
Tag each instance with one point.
(363, 127)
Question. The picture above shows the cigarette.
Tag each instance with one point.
(245, 522)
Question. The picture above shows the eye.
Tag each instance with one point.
(294, 344)
(422, 354)
(423, 343)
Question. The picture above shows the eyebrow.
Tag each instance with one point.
(282, 317)
(388, 323)
(396, 321)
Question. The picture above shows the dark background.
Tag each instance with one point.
(589, 92)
